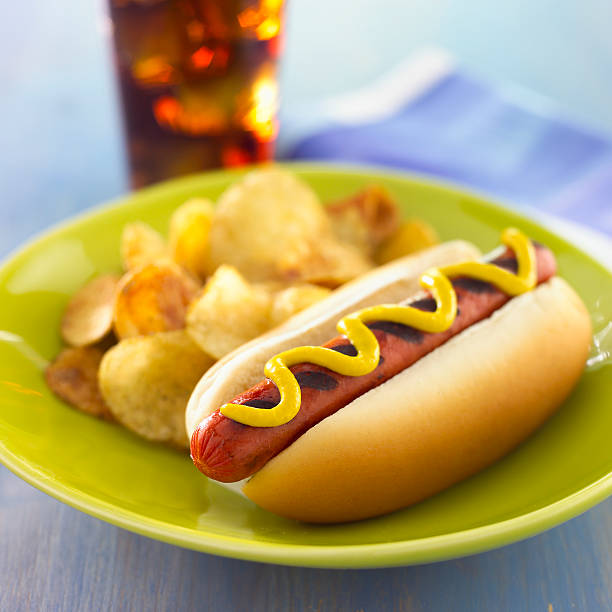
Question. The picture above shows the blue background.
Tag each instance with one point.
(61, 152)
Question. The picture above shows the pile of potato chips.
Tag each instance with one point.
(139, 342)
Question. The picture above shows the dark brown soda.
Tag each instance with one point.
(198, 85)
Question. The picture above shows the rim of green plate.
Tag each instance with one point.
(355, 556)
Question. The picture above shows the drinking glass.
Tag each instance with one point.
(198, 83)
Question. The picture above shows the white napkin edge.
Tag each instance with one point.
(381, 98)
(385, 96)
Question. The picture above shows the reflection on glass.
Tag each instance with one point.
(198, 83)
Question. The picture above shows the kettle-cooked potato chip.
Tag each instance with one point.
(152, 299)
(146, 382)
(228, 312)
(141, 245)
(73, 376)
(331, 264)
(189, 235)
(271, 226)
(366, 218)
(268, 213)
(89, 315)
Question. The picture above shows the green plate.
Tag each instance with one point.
(106, 471)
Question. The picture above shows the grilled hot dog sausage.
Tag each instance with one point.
(228, 451)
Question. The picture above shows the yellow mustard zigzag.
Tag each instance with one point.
(353, 326)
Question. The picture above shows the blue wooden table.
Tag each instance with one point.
(62, 153)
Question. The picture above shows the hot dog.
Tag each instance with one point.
(228, 451)
(302, 466)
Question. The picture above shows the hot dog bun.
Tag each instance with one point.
(389, 283)
(448, 416)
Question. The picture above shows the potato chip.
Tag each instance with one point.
(271, 226)
(152, 299)
(331, 264)
(292, 300)
(141, 245)
(73, 377)
(366, 218)
(229, 312)
(88, 318)
(189, 235)
(146, 382)
(412, 236)
(268, 213)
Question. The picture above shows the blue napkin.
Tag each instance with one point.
(432, 117)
